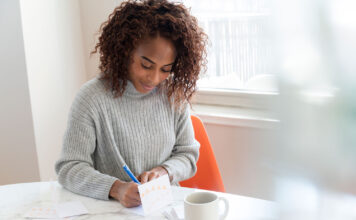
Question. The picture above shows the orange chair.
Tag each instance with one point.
(208, 174)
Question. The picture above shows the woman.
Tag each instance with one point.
(136, 113)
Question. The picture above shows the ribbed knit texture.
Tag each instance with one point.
(141, 130)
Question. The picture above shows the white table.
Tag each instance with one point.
(17, 199)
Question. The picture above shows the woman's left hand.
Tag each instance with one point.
(152, 174)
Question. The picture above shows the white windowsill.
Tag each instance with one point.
(234, 116)
(235, 108)
(235, 98)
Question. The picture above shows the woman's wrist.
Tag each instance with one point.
(114, 188)
(160, 170)
(166, 172)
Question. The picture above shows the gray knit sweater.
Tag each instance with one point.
(140, 130)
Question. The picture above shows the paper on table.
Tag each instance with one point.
(154, 195)
(180, 211)
(70, 209)
(174, 213)
(136, 210)
(61, 210)
(47, 212)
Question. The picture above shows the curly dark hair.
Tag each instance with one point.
(134, 21)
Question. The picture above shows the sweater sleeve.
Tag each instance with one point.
(75, 168)
(182, 163)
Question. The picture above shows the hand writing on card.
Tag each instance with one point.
(152, 174)
(126, 193)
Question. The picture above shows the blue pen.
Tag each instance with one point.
(128, 171)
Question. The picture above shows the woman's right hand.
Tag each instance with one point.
(126, 193)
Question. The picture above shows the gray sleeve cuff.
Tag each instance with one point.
(106, 187)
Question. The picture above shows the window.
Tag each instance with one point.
(239, 52)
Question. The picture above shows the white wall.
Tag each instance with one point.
(93, 14)
(239, 152)
(56, 70)
(18, 158)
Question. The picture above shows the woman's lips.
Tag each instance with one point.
(147, 87)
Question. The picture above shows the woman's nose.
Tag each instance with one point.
(154, 77)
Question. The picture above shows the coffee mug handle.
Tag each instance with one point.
(226, 209)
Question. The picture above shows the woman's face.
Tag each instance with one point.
(151, 63)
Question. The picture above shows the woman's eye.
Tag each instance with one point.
(145, 67)
(167, 70)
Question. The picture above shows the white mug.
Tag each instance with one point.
(204, 206)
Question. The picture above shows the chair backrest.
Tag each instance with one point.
(208, 174)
